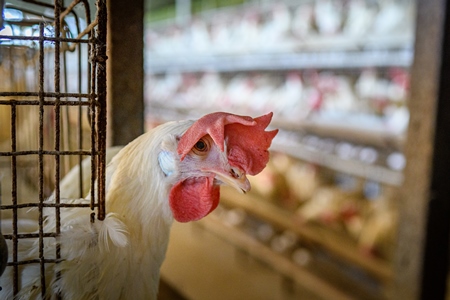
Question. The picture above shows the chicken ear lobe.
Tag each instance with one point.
(193, 198)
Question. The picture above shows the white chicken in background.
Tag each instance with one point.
(391, 17)
(198, 38)
(385, 97)
(289, 96)
(366, 84)
(237, 92)
(274, 35)
(339, 97)
(245, 33)
(171, 172)
(372, 89)
(328, 17)
(188, 96)
(302, 21)
(397, 113)
(393, 26)
(263, 96)
(212, 90)
(359, 19)
(170, 41)
(221, 41)
(162, 89)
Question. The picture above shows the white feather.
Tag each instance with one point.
(120, 257)
(114, 230)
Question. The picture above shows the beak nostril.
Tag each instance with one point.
(235, 177)
(236, 173)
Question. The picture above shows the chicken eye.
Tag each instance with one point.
(201, 146)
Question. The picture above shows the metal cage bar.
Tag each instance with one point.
(50, 102)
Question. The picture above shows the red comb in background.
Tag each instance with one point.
(246, 138)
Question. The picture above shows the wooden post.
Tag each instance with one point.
(421, 260)
(125, 70)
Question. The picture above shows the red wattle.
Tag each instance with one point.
(193, 198)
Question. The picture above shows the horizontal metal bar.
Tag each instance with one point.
(29, 235)
(48, 94)
(34, 261)
(63, 205)
(158, 64)
(29, 22)
(45, 38)
(47, 152)
(46, 102)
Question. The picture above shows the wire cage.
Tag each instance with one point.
(52, 118)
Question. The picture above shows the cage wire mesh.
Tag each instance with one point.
(52, 118)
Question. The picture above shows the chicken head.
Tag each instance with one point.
(219, 148)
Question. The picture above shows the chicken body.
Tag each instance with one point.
(163, 174)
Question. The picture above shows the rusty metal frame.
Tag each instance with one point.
(94, 36)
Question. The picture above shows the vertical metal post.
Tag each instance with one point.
(421, 260)
(41, 157)
(101, 98)
(436, 256)
(57, 110)
(14, 197)
(125, 70)
(2, 4)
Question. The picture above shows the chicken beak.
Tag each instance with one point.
(235, 178)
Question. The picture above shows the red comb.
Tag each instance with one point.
(246, 138)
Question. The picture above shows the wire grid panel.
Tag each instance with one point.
(52, 118)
